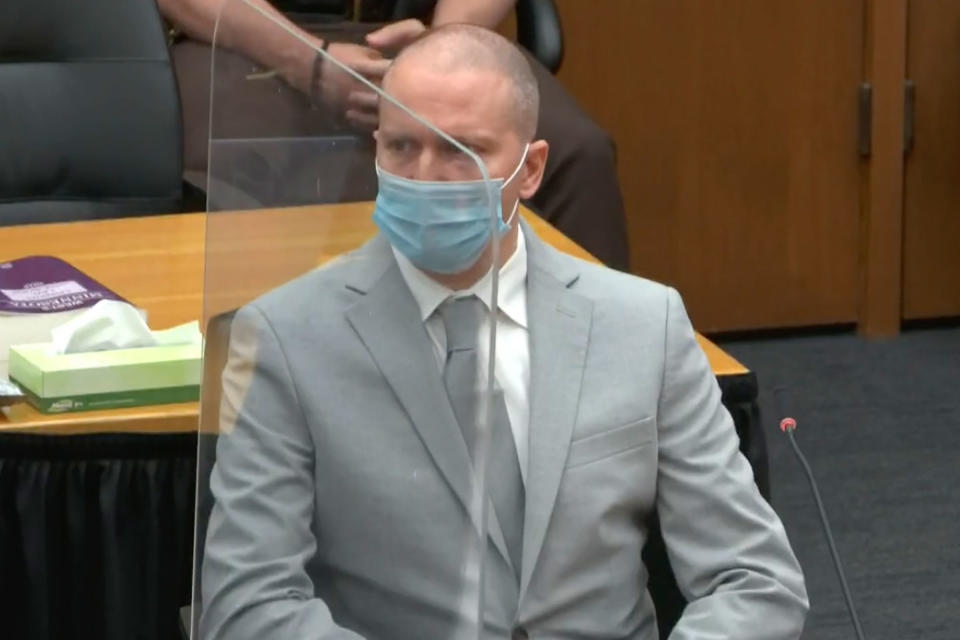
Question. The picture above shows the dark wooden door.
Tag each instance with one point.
(736, 125)
(931, 222)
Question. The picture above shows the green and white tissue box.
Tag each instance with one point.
(106, 379)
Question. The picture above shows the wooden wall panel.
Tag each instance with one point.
(931, 243)
(736, 131)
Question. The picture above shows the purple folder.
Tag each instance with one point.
(44, 284)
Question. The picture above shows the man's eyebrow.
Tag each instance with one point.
(475, 140)
(480, 139)
(396, 134)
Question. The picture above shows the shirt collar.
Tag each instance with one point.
(511, 298)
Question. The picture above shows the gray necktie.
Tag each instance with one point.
(461, 319)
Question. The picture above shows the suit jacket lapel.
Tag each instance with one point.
(559, 321)
(387, 319)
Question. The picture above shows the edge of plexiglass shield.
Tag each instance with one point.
(243, 226)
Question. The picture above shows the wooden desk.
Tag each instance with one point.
(159, 264)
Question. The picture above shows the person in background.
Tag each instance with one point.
(580, 193)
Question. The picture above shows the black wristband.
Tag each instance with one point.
(315, 73)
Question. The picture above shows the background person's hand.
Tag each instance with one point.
(396, 35)
(344, 93)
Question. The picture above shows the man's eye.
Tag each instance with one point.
(399, 145)
(458, 154)
(448, 149)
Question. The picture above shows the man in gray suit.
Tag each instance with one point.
(343, 483)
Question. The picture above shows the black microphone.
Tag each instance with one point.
(788, 424)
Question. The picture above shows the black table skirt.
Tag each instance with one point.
(96, 535)
(96, 531)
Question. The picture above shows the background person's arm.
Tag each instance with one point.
(486, 13)
(248, 32)
(243, 29)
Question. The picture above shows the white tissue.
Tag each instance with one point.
(110, 324)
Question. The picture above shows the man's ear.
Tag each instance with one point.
(534, 164)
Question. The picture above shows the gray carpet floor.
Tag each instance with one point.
(879, 422)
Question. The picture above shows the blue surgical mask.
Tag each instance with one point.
(440, 226)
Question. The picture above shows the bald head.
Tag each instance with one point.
(459, 47)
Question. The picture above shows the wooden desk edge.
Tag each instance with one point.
(159, 418)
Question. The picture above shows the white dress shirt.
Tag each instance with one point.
(512, 366)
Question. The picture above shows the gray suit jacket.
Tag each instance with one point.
(342, 478)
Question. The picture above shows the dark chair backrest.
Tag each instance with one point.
(540, 32)
(89, 112)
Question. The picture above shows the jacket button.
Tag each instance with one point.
(519, 633)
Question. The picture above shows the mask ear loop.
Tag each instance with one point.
(516, 205)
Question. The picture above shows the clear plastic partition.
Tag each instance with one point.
(350, 475)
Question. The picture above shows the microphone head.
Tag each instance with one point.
(784, 410)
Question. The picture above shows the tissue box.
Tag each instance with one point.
(106, 379)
